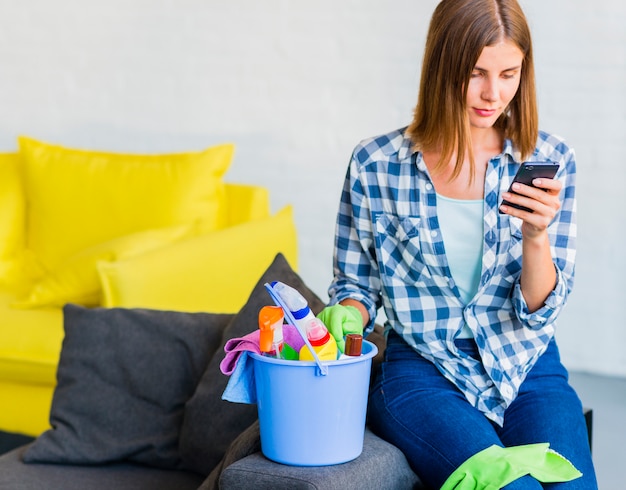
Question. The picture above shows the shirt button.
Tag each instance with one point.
(489, 383)
(429, 187)
(433, 233)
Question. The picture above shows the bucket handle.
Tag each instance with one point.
(322, 369)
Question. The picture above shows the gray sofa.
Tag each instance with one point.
(138, 406)
(380, 466)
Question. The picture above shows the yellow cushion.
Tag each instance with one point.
(78, 198)
(11, 212)
(246, 203)
(25, 408)
(214, 272)
(76, 279)
(30, 342)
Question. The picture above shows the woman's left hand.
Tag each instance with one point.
(543, 201)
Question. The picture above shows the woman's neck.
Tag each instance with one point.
(486, 140)
(486, 143)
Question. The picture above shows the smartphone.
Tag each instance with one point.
(529, 171)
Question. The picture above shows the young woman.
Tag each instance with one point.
(471, 288)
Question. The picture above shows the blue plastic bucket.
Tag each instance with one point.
(308, 419)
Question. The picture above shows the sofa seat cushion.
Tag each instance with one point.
(24, 408)
(31, 342)
(14, 474)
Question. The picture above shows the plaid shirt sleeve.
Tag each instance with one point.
(356, 273)
(562, 234)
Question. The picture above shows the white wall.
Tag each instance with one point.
(295, 85)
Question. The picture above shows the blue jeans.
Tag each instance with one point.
(414, 407)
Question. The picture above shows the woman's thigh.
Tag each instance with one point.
(415, 408)
(547, 409)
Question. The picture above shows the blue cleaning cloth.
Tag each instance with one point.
(241, 387)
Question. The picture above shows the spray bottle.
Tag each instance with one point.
(271, 341)
(296, 303)
(321, 340)
(271, 327)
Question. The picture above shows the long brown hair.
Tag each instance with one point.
(458, 32)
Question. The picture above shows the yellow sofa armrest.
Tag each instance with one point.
(246, 203)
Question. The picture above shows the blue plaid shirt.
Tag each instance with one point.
(389, 252)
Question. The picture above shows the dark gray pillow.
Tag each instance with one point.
(123, 379)
(245, 444)
(211, 424)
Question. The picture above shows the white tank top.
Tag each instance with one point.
(461, 223)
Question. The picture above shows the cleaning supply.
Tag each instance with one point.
(271, 341)
(297, 304)
(496, 467)
(322, 342)
(342, 320)
(354, 342)
(234, 347)
(271, 327)
(307, 419)
(241, 386)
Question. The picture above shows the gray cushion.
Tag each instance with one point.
(15, 475)
(124, 377)
(247, 443)
(210, 423)
(380, 465)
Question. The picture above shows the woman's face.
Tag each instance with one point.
(493, 83)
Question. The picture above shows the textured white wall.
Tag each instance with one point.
(295, 85)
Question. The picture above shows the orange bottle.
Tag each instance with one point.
(271, 327)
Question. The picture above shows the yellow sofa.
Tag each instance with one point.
(118, 230)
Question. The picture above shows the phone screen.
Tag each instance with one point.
(529, 171)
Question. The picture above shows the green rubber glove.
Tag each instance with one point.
(495, 467)
(341, 320)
